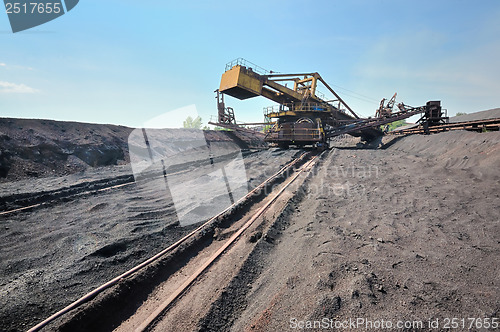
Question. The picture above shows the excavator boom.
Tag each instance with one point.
(303, 117)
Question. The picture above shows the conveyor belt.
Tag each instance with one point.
(477, 125)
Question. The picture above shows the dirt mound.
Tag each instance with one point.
(488, 114)
(38, 148)
(458, 150)
(404, 234)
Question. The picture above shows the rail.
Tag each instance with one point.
(319, 94)
(89, 296)
(25, 201)
(476, 125)
(245, 63)
(276, 110)
(152, 318)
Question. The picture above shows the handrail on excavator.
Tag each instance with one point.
(247, 64)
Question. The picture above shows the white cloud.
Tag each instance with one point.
(7, 87)
(11, 67)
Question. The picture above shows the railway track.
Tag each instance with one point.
(154, 316)
(10, 204)
(22, 202)
(306, 161)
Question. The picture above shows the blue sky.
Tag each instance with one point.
(127, 62)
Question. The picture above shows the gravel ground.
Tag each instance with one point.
(409, 233)
(488, 114)
(52, 255)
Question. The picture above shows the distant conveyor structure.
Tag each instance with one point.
(302, 116)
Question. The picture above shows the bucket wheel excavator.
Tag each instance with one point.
(303, 116)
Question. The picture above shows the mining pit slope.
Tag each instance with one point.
(31, 148)
(483, 115)
(38, 148)
(52, 254)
